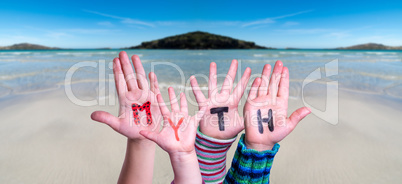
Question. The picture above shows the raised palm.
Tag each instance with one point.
(226, 99)
(179, 130)
(265, 95)
(132, 89)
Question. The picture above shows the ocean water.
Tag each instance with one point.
(372, 72)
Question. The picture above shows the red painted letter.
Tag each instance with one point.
(146, 107)
(176, 128)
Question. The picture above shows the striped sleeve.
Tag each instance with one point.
(173, 182)
(211, 155)
(250, 166)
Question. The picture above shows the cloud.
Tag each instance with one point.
(258, 22)
(142, 24)
(88, 31)
(123, 20)
(344, 33)
(7, 40)
(69, 33)
(105, 23)
(57, 35)
(391, 40)
(272, 20)
(292, 14)
(136, 22)
(215, 23)
(290, 23)
(338, 35)
(171, 23)
(304, 31)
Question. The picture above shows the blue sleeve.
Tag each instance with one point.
(250, 166)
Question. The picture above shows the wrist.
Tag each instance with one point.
(182, 157)
(185, 167)
(141, 143)
(215, 141)
(209, 133)
(251, 163)
(258, 146)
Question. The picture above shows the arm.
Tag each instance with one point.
(185, 167)
(221, 123)
(211, 155)
(177, 138)
(251, 166)
(266, 123)
(132, 88)
(138, 164)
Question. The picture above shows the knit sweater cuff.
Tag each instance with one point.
(211, 153)
(251, 166)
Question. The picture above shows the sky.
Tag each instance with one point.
(279, 24)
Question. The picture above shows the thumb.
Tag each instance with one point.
(106, 118)
(298, 115)
(150, 135)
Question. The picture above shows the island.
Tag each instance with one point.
(198, 40)
(370, 46)
(27, 46)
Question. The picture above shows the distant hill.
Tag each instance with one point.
(198, 40)
(370, 46)
(27, 46)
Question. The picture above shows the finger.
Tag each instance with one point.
(164, 110)
(254, 89)
(154, 83)
(274, 82)
(199, 96)
(183, 104)
(283, 91)
(228, 83)
(128, 71)
(121, 86)
(298, 115)
(153, 136)
(173, 100)
(263, 89)
(212, 79)
(106, 118)
(241, 86)
(139, 70)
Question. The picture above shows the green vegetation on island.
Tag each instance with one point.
(370, 46)
(198, 40)
(27, 46)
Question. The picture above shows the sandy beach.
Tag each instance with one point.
(45, 138)
(58, 62)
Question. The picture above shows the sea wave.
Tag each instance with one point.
(375, 72)
(19, 75)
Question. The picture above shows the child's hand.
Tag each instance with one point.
(132, 89)
(263, 131)
(221, 105)
(178, 137)
(179, 129)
